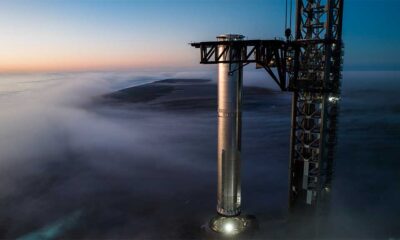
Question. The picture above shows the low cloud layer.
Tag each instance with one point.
(91, 170)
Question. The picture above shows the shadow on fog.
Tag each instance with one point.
(73, 166)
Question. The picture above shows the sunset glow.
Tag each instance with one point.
(62, 35)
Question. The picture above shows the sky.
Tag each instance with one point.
(70, 35)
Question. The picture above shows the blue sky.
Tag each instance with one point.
(107, 34)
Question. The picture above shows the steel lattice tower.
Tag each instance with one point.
(314, 78)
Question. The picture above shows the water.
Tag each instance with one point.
(73, 168)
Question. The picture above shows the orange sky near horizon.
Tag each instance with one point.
(46, 51)
(83, 36)
(78, 62)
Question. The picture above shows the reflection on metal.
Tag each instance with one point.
(229, 225)
(230, 77)
(312, 63)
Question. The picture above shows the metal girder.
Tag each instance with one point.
(268, 54)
